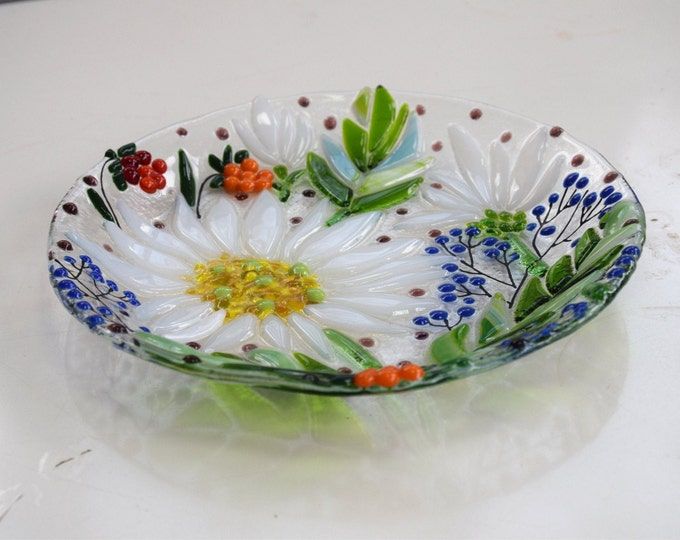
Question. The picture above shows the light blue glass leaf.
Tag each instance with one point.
(339, 160)
(408, 147)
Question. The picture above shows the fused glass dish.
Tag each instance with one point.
(363, 242)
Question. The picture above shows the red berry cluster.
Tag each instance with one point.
(140, 169)
(389, 376)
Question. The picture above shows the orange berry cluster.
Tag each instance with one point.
(389, 376)
(245, 177)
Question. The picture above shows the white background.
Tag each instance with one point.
(579, 440)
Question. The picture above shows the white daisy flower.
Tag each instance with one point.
(245, 274)
(276, 134)
(493, 180)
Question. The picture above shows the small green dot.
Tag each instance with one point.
(222, 293)
(299, 269)
(219, 269)
(266, 305)
(264, 281)
(505, 216)
(252, 264)
(490, 213)
(315, 296)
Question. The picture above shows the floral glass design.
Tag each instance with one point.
(271, 244)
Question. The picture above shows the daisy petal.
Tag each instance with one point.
(158, 238)
(232, 334)
(399, 283)
(264, 123)
(313, 337)
(345, 318)
(545, 184)
(312, 222)
(421, 263)
(341, 237)
(265, 223)
(528, 164)
(470, 162)
(384, 305)
(499, 174)
(156, 261)
(138, 279)
(181, 319)
(160, 306)
(452, 202)
(250, 141)
(429, 220)
(189, 229)
(222, 220)
(366, 257)
(304, 137)
(199, 330)
(275, 332)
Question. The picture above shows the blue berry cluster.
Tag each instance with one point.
(624, 263)
(575, 194)
(93, 300)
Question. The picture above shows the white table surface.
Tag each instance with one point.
(581, 439)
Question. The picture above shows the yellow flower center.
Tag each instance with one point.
(257, 286)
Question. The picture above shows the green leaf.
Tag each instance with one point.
(321, 177)
(559, 274)
(110, 154)
(390, 139)
(338, 216)
(295, 176)
(361, 103)
(226, 155)
(271, 357)
(187, 183)
(496, 319)
(386, 198)
(127, 150)
(216, 181)
(451, 346)
(241, 155)
(532, 296)
(119, 180)
(380, 180)
(585, 245)
(309, 364)
(281, 171)
(527, 258)
(355, 140)
(622, 214)
(382, 115)
(99, 204)
(115, 166)
(215, 163)
(351, 350)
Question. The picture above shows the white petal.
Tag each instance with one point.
(399, 283)
(137, 279)
(499, 173)
(366, 257)
(189, 229)
(420, 263)
(385, 305)
(286, 134)
(264, 122)
(344, 318)
(160, 306)
(181, 319)
(201, 329)
(430, 220)
(156, 261)
(545, 184)
(470, 161)
(313, 337)
(231, 334)
(275, 332)
(250, 141)
(311, 223)
(264, 225)
(304, 138)
(454, 184)
(341, 237)
(157, 238)
(453, 203)
(222, 220)
(528, 164)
